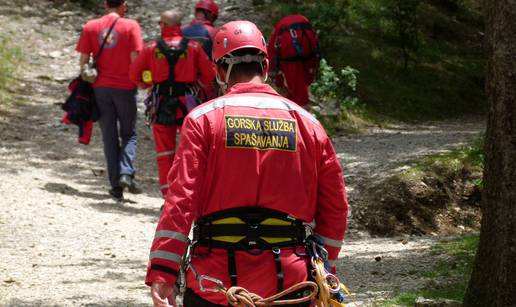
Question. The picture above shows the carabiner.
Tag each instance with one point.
(333, 283)
(218, 288)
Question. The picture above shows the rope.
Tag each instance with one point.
(238, 296)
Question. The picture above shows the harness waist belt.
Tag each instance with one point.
(177, 89)
(247, 228)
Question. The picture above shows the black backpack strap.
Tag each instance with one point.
(172, 54)
(95, 59)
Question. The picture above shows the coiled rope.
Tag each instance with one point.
(238, 296)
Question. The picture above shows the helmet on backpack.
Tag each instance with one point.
(238, 35)
(208, 5)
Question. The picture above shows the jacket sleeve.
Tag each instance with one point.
(205, 67)
(137, 67)
(181, 206)
(332, 206)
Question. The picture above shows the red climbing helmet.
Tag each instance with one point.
(237, 35)
(208, 5)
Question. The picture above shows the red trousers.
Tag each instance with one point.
(165, 142)
(297, 79)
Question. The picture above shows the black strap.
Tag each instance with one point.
(296, 26)
(97, 56)
(165, 269)
(232, 267)
(172, 54)
(271, 231)
(276, 252)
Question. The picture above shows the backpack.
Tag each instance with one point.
(296, 42)
(199, 33)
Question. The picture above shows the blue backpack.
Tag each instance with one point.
(199, 33)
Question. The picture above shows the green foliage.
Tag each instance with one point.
(456, 270)
(338, 88)
(444, 38)
(404, 15)
(470, 156)
(9, 58)
(336, 103)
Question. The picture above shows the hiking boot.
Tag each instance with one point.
(117, 193)
(126, 181)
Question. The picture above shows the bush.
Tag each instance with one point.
(9, 58)
(336, 88)
(336, 102)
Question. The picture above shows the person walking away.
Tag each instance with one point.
(175, 64)
(294, 55)
(202, 30)
(251, 165)
(115, 94)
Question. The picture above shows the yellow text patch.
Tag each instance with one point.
(262, 133)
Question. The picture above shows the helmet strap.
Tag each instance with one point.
(232, 60)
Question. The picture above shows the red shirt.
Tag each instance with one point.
(230, 155)
(113, 64)
(192, 66)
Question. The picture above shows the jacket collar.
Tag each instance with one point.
(170, 31)
(241, 88)
(201, 22)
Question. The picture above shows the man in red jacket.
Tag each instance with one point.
(252, 169)
(191, 64)
(201, 28)
(294, 55)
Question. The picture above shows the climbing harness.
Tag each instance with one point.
(249, 229)
(163, 101)
(254, 230)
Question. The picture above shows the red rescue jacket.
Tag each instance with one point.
(227, 160)
(194, 66)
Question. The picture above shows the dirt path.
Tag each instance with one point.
(64, 242)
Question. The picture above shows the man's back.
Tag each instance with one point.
(192, 65)
(201, 32)
(256, 148)
(114, 62)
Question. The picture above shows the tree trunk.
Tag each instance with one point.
(493, 281)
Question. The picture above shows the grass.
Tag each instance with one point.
(470, 157)
(457, 271)
(447, 79)
(10, 57)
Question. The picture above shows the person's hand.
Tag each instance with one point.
(163, 295)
